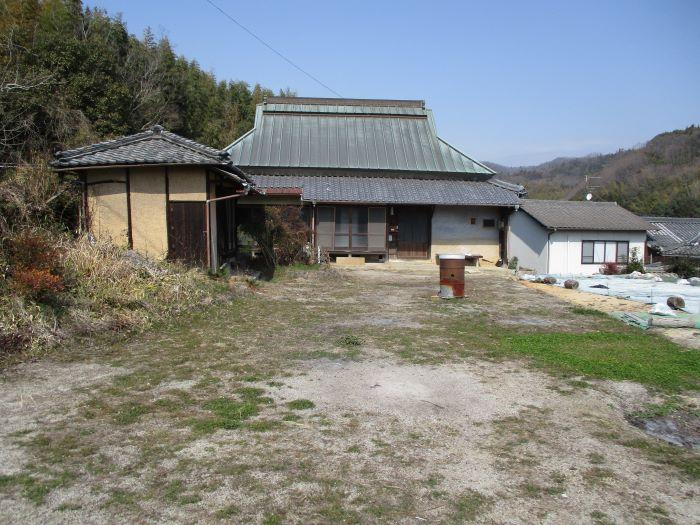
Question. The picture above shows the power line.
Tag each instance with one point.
(256, 37)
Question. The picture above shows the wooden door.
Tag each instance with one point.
(187, 236)
(413, 236)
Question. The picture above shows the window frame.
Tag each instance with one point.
(605, 243)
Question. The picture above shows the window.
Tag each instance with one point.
(489, 223)
(472, 220)
(352, 228)
(599, 252)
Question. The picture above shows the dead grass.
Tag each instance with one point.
(204, 420)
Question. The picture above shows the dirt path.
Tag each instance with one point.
(335, 397)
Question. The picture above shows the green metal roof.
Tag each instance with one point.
(393, 135)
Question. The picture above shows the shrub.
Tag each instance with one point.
(282, 235)
(685, 268)
(635, 264)
(34, 249)
(37, 284)
(513, 263)
(610, 268)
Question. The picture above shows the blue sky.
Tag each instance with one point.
(516, 82)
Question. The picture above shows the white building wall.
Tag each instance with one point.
(452, 231)
(565, 249)
(527, 240)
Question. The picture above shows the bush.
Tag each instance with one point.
(635, 264)
(282, 235)
(685, 268)
(513, 263)
(34, 249)
(36, 284)
(610, 268)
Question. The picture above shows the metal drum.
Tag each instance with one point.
(451, 276)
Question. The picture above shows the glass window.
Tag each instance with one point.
(359, 220)
(342, 241)
(623, 249)
(359, 241)
(610, 251)
(587, 252)
(599, 252)
(342, 220)
(489, 223)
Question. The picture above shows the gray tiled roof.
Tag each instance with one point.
(155, 146)
(390, 190)
(349, 134)
(583, 215)
(672, 231)
(690, 248)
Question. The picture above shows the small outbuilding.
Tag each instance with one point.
(574, 237)
(160, 194)
(673, 238)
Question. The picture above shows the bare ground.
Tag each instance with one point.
(401, 416)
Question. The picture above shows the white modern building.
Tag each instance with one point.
(573, 237)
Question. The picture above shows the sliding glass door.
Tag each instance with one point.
(351, 228)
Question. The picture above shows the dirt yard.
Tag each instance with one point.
(342, 396)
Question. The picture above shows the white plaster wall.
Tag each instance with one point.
(451, 231)
(527, 240)
(565, 249)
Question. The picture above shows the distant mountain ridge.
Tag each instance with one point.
(661, 177)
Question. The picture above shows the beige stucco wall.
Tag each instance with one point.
(148, 211)
(187, 183)
(107, 205)
(452, 232)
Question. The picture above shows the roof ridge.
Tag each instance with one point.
(321, 101)
(156, 132)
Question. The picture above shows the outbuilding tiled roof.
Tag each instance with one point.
(689, 248)
(669, 232)
(390, 190)
(393, 135)
(583, 215)
(155, 146)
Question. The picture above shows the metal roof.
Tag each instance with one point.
(349, 134)
(583, 215)
(672, 231)
(390, 190)
(155, 146)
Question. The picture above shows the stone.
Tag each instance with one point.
(694, 281)
(549, 280)
(676, 302)
(571, 284)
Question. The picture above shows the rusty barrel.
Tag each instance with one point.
(451, 275)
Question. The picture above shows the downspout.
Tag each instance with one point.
(207, 203)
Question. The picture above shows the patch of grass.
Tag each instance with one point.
(229, 415)
(122, 498)
(227, 512)
(272, 519)
(665, 454)
(34, 488)
(646, 359)
(264, 425)
(654, 410)
(300, 404)
(349, 341)
(579, 310)
(469, 506)
(354, 449)
(64, 507)
(600, 518)
(130, 412)
(598, 476)
(596, 458)
(291, 417)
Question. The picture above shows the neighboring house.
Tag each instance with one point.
(672, 237)
(153, 192)
(573, 237)
(374, 178)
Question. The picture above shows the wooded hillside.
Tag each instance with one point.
(660, 178)
(71, 76)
